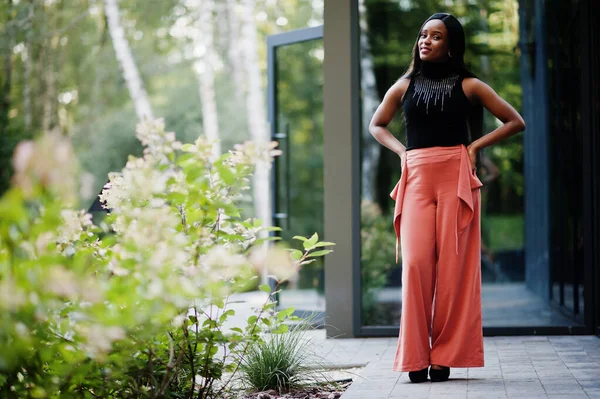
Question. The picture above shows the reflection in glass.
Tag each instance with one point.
(299, 170)
(566, 132)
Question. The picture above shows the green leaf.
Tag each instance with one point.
(193, 174)
(296, 254)
(282, 329)
(283, 314)
(223, 157)
(308, 244)
(189, 148)
(324, 244)
(226, 174)
(219, 303)
(319, 253)
(300, 238)
(182, 159)
(265, 287)
(177, 198)
(252, 319)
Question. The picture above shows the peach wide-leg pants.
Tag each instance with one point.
(437, 223)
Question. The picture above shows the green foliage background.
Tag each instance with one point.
(70, 50)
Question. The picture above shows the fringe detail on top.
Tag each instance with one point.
(427, 90)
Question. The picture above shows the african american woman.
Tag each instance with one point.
(437, 200)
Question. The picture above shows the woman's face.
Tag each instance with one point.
(433, 41)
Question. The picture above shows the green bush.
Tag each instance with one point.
(505, 232)
(283, 362)
(134, 307)
(276, 363)
(378, 251)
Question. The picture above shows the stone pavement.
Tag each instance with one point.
(515, 367)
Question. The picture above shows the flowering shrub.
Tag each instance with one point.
(136, 306)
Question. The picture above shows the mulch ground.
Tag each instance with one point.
(305, 393)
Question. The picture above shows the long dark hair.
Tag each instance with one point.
(456, 43)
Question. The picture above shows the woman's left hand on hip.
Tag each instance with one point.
(472, 150)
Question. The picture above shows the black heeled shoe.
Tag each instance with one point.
(439, 375)
(418, 376)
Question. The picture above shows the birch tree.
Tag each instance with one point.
(138, 94)
(203, 43)
(27, 54)
(235, 51)
(255, 108)
(371, 148)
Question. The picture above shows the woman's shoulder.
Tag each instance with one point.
(403, 81)
(472, 87)
(399, 88)
(474, 84)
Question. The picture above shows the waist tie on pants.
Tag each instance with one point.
(467, 182)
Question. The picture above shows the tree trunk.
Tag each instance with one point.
(49, 112)
(7, 81)
(236, 60)
(6, 88)
(126, 61)
(27, 88)
(204, 48)
(255, 108)
(27, 71)
(371, 148)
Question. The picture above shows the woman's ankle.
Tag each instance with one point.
(437, 367)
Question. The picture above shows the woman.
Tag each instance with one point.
(437, 219)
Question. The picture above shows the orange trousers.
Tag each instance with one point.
(437, 224)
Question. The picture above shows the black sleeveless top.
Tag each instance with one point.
(436, 110)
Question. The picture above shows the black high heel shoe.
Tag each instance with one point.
(418, 376)
(439, 375)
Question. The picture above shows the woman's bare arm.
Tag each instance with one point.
(492, 170)
(384, 114)
(513, 123)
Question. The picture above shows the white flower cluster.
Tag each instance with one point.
(74, 224)
(251, 151)
(49, 163)
(66, 284)
(98, 339)
(157, 143)
(202, 148)
(137, 184)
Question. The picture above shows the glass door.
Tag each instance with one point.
(295, 101)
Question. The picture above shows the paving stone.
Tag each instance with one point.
(592, 384)
(515, 367)
(593, 393)
(556, 389)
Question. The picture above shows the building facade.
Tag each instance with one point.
(541, 224)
